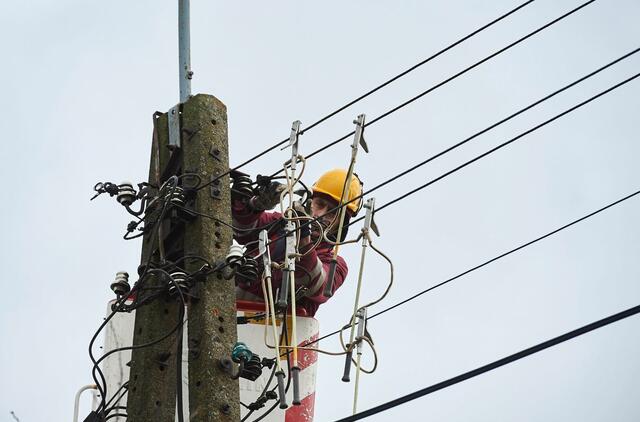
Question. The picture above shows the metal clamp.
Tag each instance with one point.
(369, 223)
(174, 126)
(293, 143)
(264, 252)
(359, 136)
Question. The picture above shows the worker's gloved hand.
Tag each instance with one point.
(268, 196)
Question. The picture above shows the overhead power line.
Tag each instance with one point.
(376, 89)
(495, 365)
(492, 260)
(451, 78)
(502, 145)
(417, 65)
(498, 123)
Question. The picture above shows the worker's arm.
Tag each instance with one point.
(248, 214)
(313, 273)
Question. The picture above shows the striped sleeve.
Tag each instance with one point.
(314, 274)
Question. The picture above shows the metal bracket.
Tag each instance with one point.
(214, 151)
(290, 246)
(263, 250)
(369, 222)
(215, 187)
(359, 136)
(293, 143)
(362, 327)
(174, 126)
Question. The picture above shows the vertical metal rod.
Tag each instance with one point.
(184, 49)
(362, 321)
(369, 206)
(271, 309)
(357, 383)
(357, 140)
(295, 369)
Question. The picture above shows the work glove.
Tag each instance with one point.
(268, 196)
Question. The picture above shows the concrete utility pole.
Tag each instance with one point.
(212, 395)
(191, 138)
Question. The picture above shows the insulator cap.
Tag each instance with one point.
(175, 196)
(126, 194)
(241, 352)
(248, 269)
(236, 251)
(181, 279)
(121, 284)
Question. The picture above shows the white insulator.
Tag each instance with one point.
(236, 252)
(176, 196)
(120, 286)
(126, 193)
(180, 278)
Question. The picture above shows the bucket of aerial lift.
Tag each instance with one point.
(119, 333)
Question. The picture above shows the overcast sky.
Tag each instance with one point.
(81, 80)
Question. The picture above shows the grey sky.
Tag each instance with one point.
(82, 79)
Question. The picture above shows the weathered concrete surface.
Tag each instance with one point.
(212, 395)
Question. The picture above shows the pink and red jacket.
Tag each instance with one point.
(312, 270)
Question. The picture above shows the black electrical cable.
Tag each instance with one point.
(502, 145)
(496, 364)
(490, 261)
(113, 408)
(372, 91)
(124, 387)
(282, 337)
(559, 229)
(135, 347)
(103, 390)
(496, 124)
(451, 78)
(414, 67)
(121, 349)
(264, 391)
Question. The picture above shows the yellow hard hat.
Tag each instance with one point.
(332, 183)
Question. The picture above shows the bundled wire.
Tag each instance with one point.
(120, 305)
(284, 340)
(176, 328)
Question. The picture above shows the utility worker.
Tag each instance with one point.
(250, 216)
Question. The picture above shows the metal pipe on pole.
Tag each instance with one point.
(184, 49)
(76, 402)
